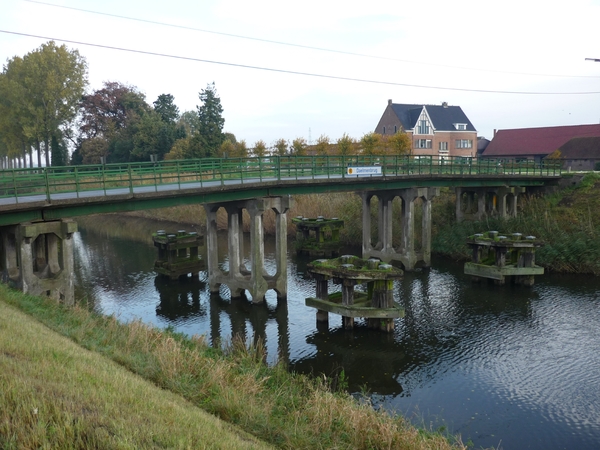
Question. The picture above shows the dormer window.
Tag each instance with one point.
(460, 126)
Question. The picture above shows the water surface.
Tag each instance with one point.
(509, 367)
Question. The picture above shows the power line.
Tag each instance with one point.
(291, 72)
(321, 49)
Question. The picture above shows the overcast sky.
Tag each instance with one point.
(323, 67)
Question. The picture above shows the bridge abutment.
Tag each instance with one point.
(407, 253)
(257, 281)
(37, 258)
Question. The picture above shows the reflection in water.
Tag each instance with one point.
(507, 365)
(179, 300)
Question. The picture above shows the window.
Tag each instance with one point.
(423, 143)
(443, 146)
(464, 143)
(423, 127)
(460, 126)
(395, 129)
(383, 130)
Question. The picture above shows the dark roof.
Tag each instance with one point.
(482, 144)
(442, 117)
(581, 148)
(536, 141)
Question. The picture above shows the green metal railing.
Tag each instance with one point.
(50, 182)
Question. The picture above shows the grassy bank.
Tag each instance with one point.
(55, 394)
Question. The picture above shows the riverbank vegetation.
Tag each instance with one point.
(567, 221)
(56, 394)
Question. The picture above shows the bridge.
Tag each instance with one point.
(37, 206)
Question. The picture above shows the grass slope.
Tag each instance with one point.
(56, 394)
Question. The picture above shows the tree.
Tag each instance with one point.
(46, 86)
(370, 143)
(55, 81)
(190, 122)
(299, 146)
(400, 143)
(322, 145)
(346, 145)
(226, 149)
(280, 147)
(241, 149)
(260, 148)
(14, 115)
(60, 156)
(164, 105)
(114, 113)
(210, 130)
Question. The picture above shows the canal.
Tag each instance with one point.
(504, 366)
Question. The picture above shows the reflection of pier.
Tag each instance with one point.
(179, 300)
(361, 359)
(241, 313)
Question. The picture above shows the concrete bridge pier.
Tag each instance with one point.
(481, 202)
(238, 278)
(38, 258)
(384, 250)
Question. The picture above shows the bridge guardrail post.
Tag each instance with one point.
(130, 174)
(47, 181)
(14, 176)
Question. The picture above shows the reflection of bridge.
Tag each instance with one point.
(36, 207)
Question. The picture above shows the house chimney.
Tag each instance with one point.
(445, 104)
(494, 132)
(390, 101)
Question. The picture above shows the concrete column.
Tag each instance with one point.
(385, 223)
(366, 224)
(481, 212)
(212, 248)
(460, 209)
(426, 230)
(234, 251)
(9, 263)
(280, 205)
(407, 240)
(257, 252)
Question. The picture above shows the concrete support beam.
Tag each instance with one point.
(38, 258)
(256, 280)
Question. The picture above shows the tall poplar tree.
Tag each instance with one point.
(54, 79)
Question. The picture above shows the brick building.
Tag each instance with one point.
(435, 130)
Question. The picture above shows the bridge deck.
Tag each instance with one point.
(57, 192)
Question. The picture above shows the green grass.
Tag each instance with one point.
(56, 394)
(80, 395)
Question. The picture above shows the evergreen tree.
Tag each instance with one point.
(211, 122)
